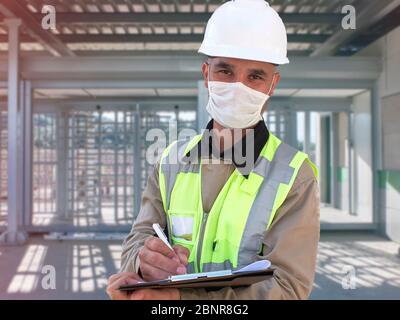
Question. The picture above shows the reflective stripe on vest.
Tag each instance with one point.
(232, 234)
(172, 164)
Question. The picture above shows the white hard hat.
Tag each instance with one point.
(246, 29)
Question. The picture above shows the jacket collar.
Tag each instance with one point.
(242, 156)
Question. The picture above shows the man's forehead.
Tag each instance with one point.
(241, 63)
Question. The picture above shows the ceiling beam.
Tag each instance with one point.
(186, 103)
(369, 14)
(341, 72)
(22, 38)
(118, 17)
(158, 38)
(157, 53)
(313, 103)
(132, 53)
(146, 103)
(181, 38)
(12, 8)
(371, 34)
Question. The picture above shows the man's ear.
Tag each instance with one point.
(275, 81)
(204, 70)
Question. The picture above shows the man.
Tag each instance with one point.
(222, 210)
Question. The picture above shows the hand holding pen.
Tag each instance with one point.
(159, 260)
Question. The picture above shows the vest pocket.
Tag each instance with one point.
(182, 226)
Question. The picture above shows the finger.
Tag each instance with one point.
(117, 294)
(183, 254)
(125, 280)
(156, 244)
(114, 277)
(160, 261)
(113, 290)
(151, 273)
(117, 276)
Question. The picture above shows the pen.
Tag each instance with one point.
(161, 235)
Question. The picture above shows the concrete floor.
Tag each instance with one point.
(82, 268)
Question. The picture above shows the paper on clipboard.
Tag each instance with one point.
(255, 266)
(247, 275)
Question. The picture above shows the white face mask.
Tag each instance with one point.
(235, 105)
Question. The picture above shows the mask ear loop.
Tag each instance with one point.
(272, 82)
(269, 91)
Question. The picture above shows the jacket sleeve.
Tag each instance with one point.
(291, 246)
(151, 211)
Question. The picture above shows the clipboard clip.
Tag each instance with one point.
(192, 276)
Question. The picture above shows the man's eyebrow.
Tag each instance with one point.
(258, 72)
(223, 65)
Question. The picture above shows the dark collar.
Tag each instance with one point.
(238, 153)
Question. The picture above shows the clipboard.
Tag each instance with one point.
(246, 276)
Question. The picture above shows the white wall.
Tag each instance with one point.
(362, 156)
(391, 131)
(388, 48)
(390, 93)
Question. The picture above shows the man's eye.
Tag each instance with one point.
(225, 71)
(254, 77)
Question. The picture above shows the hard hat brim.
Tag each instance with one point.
(241, 53)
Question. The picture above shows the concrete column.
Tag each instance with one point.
(307, 132)
(335, 158)
(350, 164)
(379, 194)
(318, 141)
(319, 153)
(14, 235)
(26, 151)
(291, 127)
(202, 99)
(137, 170)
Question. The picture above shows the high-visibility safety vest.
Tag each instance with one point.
(230, 236)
